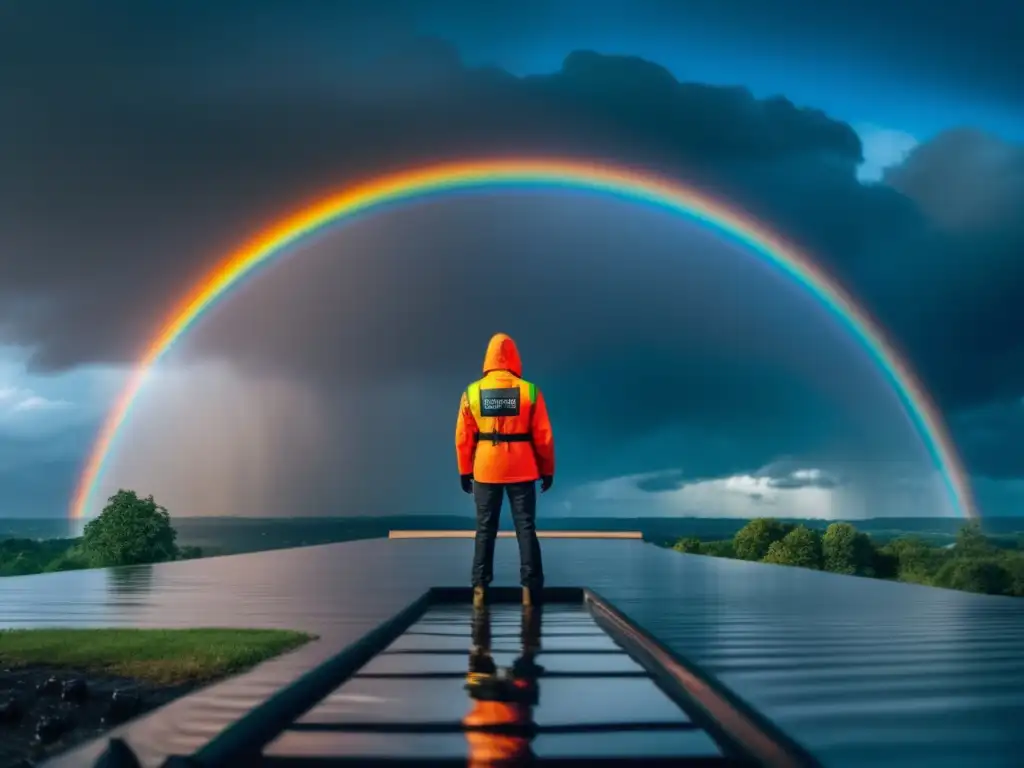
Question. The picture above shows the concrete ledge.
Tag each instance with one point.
(511, 534)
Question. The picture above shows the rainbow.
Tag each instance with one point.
(629, 184)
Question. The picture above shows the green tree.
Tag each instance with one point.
(690, 545)
(777, 554)
(753, 540)
(20, 557)
(800, 547)
(987, 576)
(72, 560)
(844, 549)
(189, 552)
(972, 542)
(722, 548)
(915, 561)
(1014, 565)
(21, 564)
(129, 531)
(884, 564)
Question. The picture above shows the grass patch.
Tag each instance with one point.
(159, 656)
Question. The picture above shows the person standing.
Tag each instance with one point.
(503, 445)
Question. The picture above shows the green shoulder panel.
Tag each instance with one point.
(473, 395)
(531, 388)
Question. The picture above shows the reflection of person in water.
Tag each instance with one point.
(499, 727)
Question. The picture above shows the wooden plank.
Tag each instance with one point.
(511, 534)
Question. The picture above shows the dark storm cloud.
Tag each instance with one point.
(660, 483)
(975, 48)
(37, 471)
(965, 181)
(964, 324)
(153, 142)
(39, 491)
(956, 45)
(128, 187)
(989, 437)
(119, 185)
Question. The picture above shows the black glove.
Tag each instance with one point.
(467, 483)
(545, 482)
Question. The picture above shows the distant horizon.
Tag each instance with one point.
(541, 517)
(226, 534)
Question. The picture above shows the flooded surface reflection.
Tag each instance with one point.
(861, 672)
(514, 697)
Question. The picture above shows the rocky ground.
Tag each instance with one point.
(44, 710)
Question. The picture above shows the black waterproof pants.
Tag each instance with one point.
(522, 498)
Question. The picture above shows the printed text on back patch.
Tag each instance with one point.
(499, 402)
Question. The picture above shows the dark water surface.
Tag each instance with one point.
(415, 698)
(861, 672)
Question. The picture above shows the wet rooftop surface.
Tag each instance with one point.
(861, 672)
(417, 691)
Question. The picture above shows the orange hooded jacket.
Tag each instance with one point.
(503, 403)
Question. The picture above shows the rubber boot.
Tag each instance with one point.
(531, 597)
(479, 597)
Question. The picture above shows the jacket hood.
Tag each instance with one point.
(503, 355)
